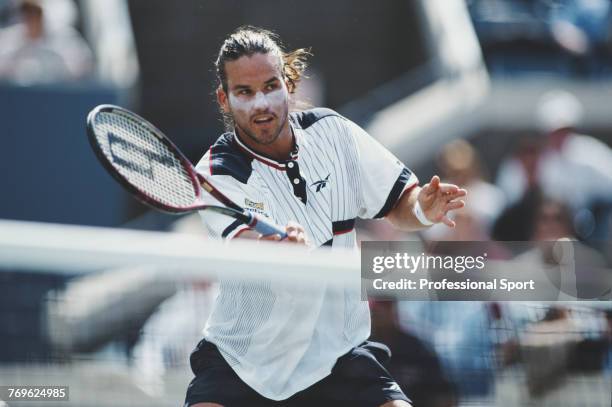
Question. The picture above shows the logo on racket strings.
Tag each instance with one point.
(121, 151)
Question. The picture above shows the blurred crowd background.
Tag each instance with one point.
(507, 98)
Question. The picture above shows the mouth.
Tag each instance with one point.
(263, 119)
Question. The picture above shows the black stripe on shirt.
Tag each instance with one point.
(340, 227)
(343, 226)
(307, 118)
(233, 226)
(226, 158)
(395, 193)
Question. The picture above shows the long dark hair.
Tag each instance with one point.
(249, 40)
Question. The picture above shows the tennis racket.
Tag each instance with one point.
(152, 168)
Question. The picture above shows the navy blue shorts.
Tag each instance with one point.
(358, 379)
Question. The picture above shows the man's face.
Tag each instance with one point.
(551, 223)
(257, 97)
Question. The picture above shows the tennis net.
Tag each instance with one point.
(113, 314)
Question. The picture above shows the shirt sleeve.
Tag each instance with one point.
(216, 224)
(383, 177)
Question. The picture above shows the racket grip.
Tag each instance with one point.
(265, 227)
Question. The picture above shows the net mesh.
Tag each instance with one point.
(114, 314)
(137, 153)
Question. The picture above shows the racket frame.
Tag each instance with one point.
(196, 179)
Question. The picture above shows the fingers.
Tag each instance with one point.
(295, 233)
(437, 199)
(432, 186)
(293, 226)
(273, 238)
(435, 181)
(448, 189)
(293, 236)
(296, 237)
(299, 238)
(447, 221)
(454, 205)
(435, 188)
(451, 191)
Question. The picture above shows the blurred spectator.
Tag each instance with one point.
(552, 222)
(457, 331)
(581, 162)
(469, 227)
(413, 364)
(608, 335)
(460, 164)
(566, 340)
(545, 347)
(581, 27)
(34, 51)
(516, 223)
(5, 12)
(519, 172)
(566, 37)
(518, 179)
(590, 278)
(572, 168)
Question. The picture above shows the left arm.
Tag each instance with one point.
(382, 178)
(436, 201)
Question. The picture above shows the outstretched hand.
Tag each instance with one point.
(437, 199)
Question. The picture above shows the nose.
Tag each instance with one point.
(261, 102)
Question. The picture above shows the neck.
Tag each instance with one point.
(34, 32)
(279, 150)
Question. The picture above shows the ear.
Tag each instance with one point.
(222, 99)
(287, 84)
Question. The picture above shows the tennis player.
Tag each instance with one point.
(267, 344)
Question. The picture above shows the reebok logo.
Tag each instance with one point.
(321, 183)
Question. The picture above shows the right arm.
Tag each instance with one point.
(235, 188)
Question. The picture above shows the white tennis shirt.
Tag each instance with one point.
(278, 338)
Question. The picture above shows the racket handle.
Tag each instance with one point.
(265, 227)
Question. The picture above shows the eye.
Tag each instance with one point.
(271, 86)
(244, 92)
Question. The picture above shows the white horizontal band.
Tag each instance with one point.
(420, 215)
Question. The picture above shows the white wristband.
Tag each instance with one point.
(418, 212)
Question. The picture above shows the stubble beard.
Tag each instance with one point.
(259, 140)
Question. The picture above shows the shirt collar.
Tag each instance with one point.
(279, 165)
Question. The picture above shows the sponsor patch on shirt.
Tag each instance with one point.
(254, 206)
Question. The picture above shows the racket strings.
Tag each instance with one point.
(144, 160)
